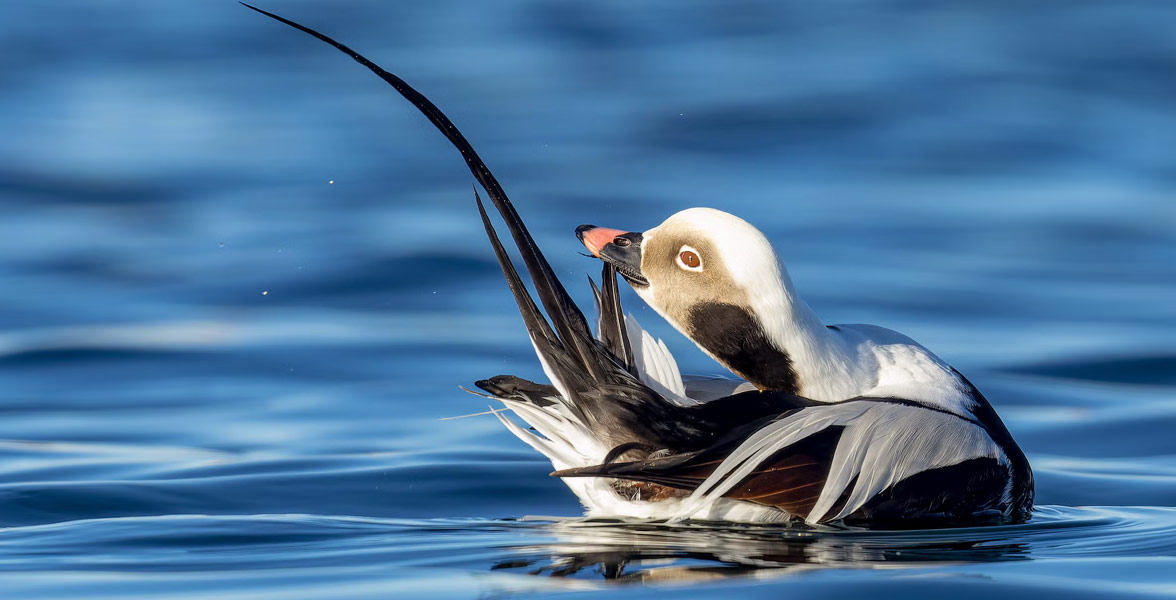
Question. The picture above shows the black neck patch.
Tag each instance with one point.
(736, 338)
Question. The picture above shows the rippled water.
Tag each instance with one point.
(243, 280)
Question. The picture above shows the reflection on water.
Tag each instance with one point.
(545, 553)
(632, 553)
(657, 553)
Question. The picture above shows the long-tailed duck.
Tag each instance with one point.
(850, 423)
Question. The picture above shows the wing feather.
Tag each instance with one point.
(655, 364)
(822, 463)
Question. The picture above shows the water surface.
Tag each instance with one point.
(243, 280)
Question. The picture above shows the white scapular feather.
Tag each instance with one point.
(882, 444)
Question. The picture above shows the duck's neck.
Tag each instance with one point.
(822, 365)
(768, 336)
(732, 335)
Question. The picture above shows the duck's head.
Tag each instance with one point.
(716, 279)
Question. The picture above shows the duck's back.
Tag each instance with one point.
(893, 365)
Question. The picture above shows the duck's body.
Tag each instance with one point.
(841, 423)
(778, 457)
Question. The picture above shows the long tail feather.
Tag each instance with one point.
(567, 319)
(596, 381)
(532, 318)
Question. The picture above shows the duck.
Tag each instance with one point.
(821, 424)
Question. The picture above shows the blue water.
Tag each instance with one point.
(243, 280)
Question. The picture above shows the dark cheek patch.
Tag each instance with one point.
(732, 335)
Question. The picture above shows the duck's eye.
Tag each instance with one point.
(688, 259)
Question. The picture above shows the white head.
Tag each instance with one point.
(716, 279)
